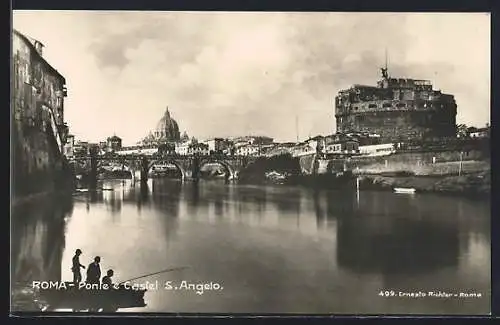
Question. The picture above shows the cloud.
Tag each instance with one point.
(227, 74)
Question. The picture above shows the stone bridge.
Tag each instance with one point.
(188, 166)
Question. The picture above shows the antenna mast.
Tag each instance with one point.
(386, 59)
(297, 127)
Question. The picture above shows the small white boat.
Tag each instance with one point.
(405, 190)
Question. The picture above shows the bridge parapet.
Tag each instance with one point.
(189, 166)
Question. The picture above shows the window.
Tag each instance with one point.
(385, 105)
(400, 105)
(372, 106)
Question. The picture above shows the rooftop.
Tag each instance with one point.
(30, 42)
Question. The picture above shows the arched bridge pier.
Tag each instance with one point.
(189, 166)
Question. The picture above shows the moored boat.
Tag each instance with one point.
(404, 190)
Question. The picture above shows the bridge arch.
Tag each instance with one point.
(231, 172)
(84, 165)
(123, 164)
(169, 162)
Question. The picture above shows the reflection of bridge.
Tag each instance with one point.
(188, 166)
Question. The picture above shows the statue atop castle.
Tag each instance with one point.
(167, 130)
(385, 74)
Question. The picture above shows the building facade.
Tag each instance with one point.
(217, 145)
(69, 146)
(248, 150)
(182, 148)
(377, 149)
(396, 109)
(81, 148)
(114, 143)
(341, 147)
(480, 133)
(38, 129)
(198, 149)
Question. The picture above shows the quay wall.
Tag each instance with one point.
(308, 164)
(422, 163)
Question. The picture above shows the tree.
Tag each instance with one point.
(462, 131)
(471, 129)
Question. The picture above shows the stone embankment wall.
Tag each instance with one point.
(308, 164)
(439, 172)
(423, 163)
(466, 184)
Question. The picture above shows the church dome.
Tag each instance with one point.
(167, 128)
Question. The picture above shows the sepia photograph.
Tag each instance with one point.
(289, 163)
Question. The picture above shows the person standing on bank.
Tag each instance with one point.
(94, 271)
(77, 276)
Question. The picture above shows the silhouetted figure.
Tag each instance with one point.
(77, 276)
(94, 271)
(109, 305)
(107, 278)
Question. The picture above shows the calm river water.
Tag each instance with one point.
(272, 249)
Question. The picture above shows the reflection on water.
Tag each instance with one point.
(275, 249)
(391, 242)
(37, 245)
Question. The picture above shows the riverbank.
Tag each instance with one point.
(20, 200)
(478, 183)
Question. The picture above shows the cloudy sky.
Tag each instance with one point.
(230, 74)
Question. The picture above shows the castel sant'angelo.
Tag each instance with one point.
(396, 109)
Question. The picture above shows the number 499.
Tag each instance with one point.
(387, 293)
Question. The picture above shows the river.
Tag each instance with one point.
(271, 249)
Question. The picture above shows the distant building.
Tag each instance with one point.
(166, 148)
(69, 146)
(267, 148)
(114, 143)
(480, 133)
(81, 148)
(316, 143)
(198, 149)
(377, 149)
(217, 145)
(333, 148)
(347, 146)
(182, 148)
(93, 148)
(248, 150)
(167, 130)
(397, 108)
(280, 149)
(257, 140)
(303, 149)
